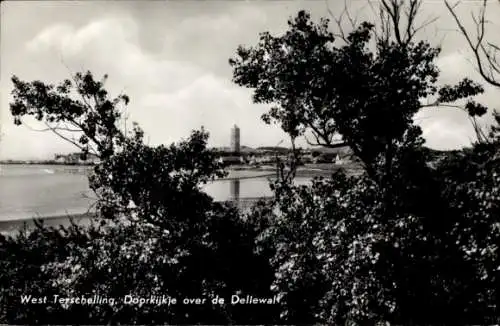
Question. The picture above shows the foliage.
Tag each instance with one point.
(138, 259)
(158, 232)
(368, 93)
(339, 259)
(389, 245)
(94, 116)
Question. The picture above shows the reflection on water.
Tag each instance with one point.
(235, 189)
(239, 189)
(31, 190)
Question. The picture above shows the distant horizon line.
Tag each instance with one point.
(210, 147)
(3, 160)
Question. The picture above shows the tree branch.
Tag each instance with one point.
(391, 15)
(478, 46)
(338, 20)
(480, 135)
(64, 137)
(50, 129)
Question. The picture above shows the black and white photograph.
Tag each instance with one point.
(250, 162)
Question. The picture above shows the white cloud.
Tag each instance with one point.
(450, 128)
(456, 66)
(168, 97)
(56, 35)
(213, 103)
(442, 133)
(110, 45)
(188, 84)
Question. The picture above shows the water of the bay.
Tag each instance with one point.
(28, 191)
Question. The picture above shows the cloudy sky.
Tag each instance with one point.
(171, 58)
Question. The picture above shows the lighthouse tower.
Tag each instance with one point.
(235, 139)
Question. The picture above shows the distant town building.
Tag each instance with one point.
(75, 158)
(235, 139)
(232, 160)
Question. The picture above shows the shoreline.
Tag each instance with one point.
(52, 220)
(13, 225)
(311, 171)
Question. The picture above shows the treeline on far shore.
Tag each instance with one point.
(263, 151)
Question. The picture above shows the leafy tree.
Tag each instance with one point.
(384, 246)
(157, 232)
(367, 96)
